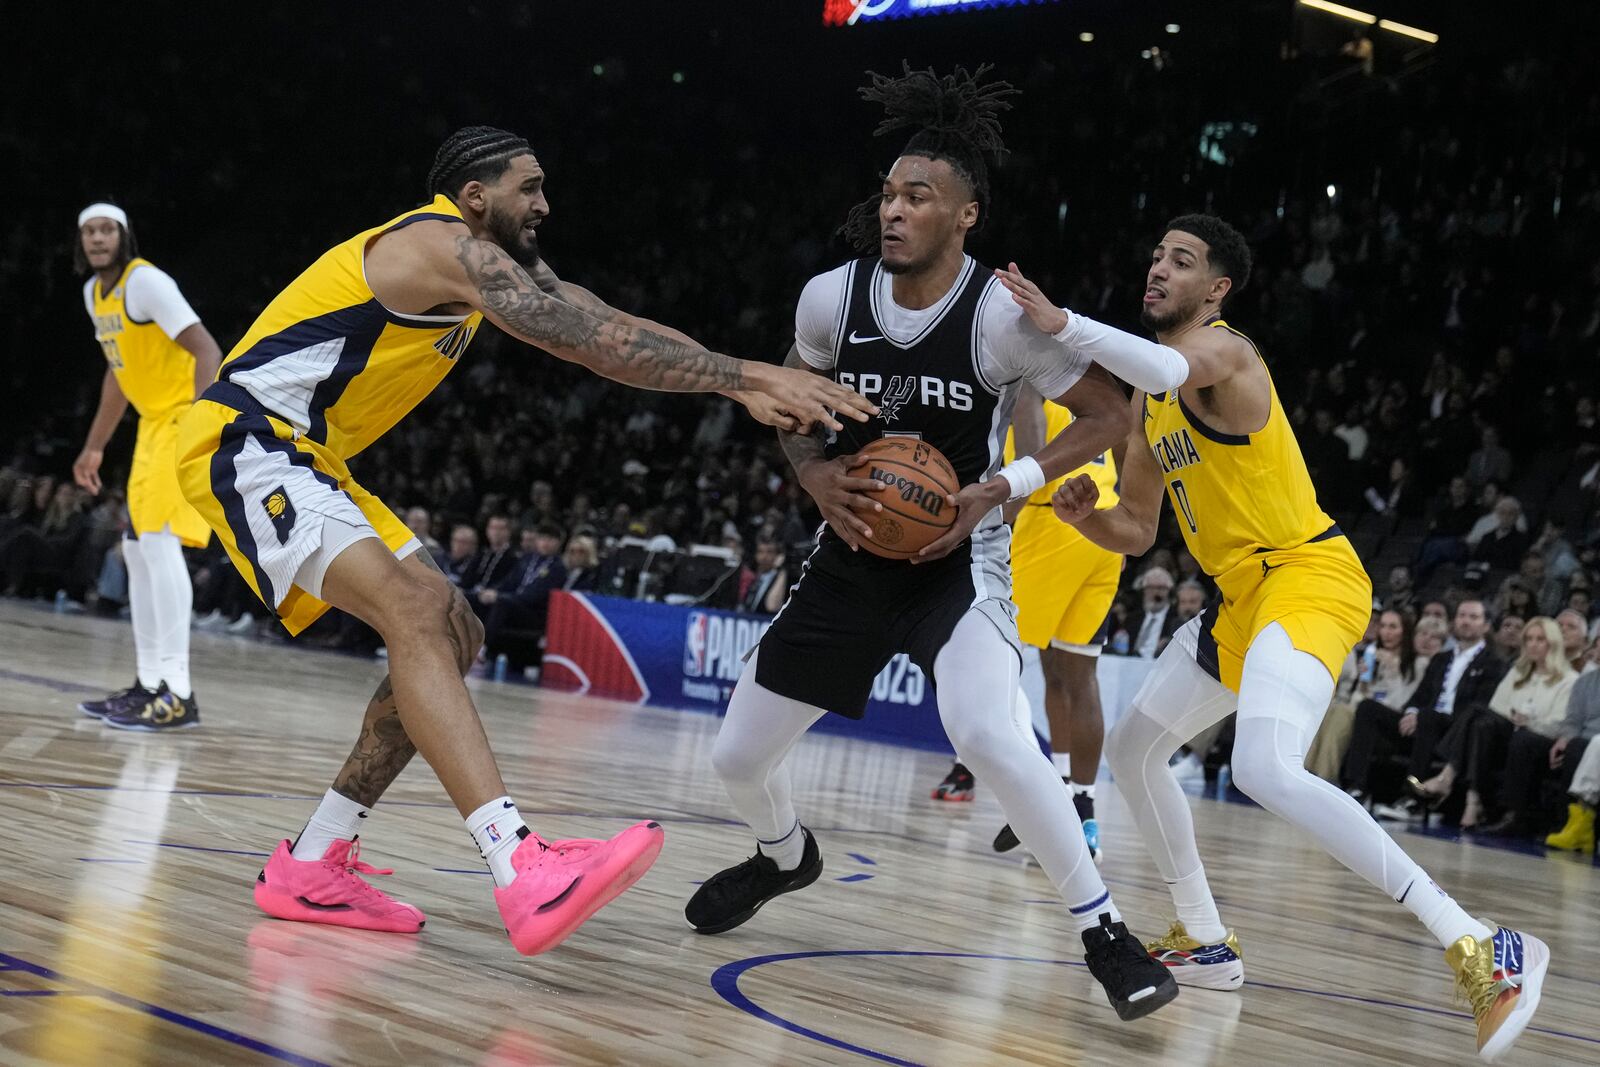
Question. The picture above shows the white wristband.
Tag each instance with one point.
(1024, 475)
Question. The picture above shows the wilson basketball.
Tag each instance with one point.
(917, 479)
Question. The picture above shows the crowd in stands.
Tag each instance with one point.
(1431, 319)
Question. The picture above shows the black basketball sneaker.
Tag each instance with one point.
(731, 897)
(164, 710)
(132, 697)
(957, 785)
(1135, 983)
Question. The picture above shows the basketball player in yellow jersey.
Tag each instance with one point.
(334, 361)
(1063, 585)
(159, 357)
(1213, 434)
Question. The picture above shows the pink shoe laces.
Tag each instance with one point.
(349, 866)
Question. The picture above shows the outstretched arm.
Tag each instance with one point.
(1200, 358)
(762, 407)
(839, 495)
(1130, 526)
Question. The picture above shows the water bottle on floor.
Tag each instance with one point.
(502, 663)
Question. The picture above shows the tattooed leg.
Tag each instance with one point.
(383, 749)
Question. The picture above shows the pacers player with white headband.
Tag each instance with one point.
(159, 357)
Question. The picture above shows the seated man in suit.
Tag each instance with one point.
(1458, 682)
(517, 606)
(1155, 625)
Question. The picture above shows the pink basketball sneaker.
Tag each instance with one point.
(559, 885)
(331, 890)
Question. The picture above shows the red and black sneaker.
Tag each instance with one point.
(957, 785)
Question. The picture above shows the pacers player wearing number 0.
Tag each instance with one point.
(159, 357)
(1213, 434)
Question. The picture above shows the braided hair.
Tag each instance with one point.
(956, 118)
(473, 154)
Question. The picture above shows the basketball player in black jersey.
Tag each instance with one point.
(936, 342)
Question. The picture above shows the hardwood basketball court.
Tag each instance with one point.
(128, 935)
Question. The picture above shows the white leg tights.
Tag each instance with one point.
(171, 600)
(976, 676)
(141, 606)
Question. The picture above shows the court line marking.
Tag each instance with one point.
(233, 1037)
(725, 983)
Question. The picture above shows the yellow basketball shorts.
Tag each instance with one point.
(155, 500)
(1319, 593)
(268, 493)
(1062, 582)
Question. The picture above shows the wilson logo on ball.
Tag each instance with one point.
(931, 501)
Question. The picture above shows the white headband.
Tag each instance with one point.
(103, 211)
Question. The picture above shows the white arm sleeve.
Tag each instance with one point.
(88, 296)
(1155, 368)
(1014, 349)
(152, 296)
(819, 316)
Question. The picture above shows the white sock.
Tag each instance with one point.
(1197, 909)
(172, 597)
(1081, 790)
(787, 851)
(1086, 916)
(337, 818)
(1063, 763)
(1439, 912)
(496, 827)
(141, 606)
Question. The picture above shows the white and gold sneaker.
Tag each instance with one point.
(1218, 966)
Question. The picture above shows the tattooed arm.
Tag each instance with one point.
(483, 276)
(762, 407)
(838, 495)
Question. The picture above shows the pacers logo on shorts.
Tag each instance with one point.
(281, 511)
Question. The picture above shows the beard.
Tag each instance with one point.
(1159, 321)
(521, 245)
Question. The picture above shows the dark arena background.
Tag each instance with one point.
(1417, 183)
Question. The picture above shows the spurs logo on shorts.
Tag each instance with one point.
(280, 509)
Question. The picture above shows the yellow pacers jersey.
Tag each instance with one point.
(1103, 469)
(155, 373)
(1235, 494)
(336, 365)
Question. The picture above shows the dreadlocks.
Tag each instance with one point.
(473, 154)
(956, 119)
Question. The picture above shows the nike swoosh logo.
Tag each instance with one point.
(556, 900)
(863, 340)
(323, 907)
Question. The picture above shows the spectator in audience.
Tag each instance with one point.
(1574, 637)
(1155, 624)
(1402, 595)
(1191, 600)
(1491, 462)
(463, 554)
(492, 565)
(1535, 758)
(1458, 683)
(1508, 636)
(38, 558)
(765, 595)
(518, 605)
(1435, 609)
(1532, 695)
(1387, 671)
(1575, 756)
(1506, 541)
(1450, 517)
(582, 560)
(420, 522)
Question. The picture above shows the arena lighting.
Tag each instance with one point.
(1409, 31)
(1340, 10)
(1172, 27)
(1086, 37)
(1332, 191)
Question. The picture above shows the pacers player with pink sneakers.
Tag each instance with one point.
(332, 363)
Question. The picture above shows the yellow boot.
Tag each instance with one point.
(1578, 834)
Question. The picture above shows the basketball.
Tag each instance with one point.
(915, 512)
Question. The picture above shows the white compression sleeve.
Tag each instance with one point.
(756, 734)
(141, 607)
(172, 598)
(1146, 365)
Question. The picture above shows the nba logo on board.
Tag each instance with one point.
(694, 645)
(493, 831)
